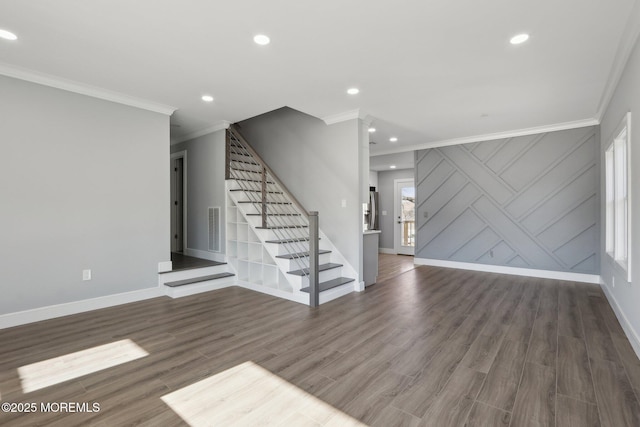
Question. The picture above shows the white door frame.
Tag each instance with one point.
(181, 155)
(397, 247)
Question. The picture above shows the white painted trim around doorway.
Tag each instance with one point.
(182, 155)
(396, 213)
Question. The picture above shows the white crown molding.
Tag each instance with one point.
(344, 116)
(84, 89)
(627, 42)
(221, 125)
(491, 136)
(516, 271)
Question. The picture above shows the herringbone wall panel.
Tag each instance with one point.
(530, 201)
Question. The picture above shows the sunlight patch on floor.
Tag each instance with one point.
(249, 395)
(73, 365)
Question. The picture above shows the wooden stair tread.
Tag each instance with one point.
(322, 267)
(299, 239)
(330, 284)
(250, 180)
(274, 214)
(256, 191)
(301, 254)
(279, 227)
(268, 203)
(198, 279)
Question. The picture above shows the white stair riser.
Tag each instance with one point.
(325, 276)
(191, 274)
(196, 288)
(287, 248)
(281, 234)
(296, 265)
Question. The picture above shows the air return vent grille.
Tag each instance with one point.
(214, 229)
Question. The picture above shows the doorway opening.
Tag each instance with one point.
(178, 205)
(404, 213)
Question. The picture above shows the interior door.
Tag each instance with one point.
(405, 227)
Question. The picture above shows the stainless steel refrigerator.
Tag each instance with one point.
(371, 212)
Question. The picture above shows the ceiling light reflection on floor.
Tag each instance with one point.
(74, 365)
(248, 395)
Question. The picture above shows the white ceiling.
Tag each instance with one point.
(428, 71)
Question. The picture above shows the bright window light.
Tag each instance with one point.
(74, 365)
(262, 40)
(520, 38)
(617, 206)
(7, 35)
(248, 394)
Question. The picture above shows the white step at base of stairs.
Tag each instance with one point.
(208, 283)
(173, 276)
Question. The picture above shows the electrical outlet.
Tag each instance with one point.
(384, 213)
(344, 203)
(86, 274)
(425, 214)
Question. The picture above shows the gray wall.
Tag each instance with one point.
(531, 202)
(205, 186)
(626, 98)
(319, 164)
(85, 185)
(386, 189)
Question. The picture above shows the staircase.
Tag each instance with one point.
(189, 281)
(269, 239)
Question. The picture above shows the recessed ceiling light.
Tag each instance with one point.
(353, 91)
(393, 139)
(372, 130)
(520, 38)
(392, 167)
(262, 40)
(207, 98)
(7, 35)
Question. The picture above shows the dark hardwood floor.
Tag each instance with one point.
(180, 261)
(389, 266)
(430, 347)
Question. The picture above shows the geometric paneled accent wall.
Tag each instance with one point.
(531, 201)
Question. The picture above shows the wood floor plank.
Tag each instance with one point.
(484, 416)
(629, 359)
(453, 404)
(575, 413)
(503, 379)
(535, 401)
(574, 372)
(617, 403)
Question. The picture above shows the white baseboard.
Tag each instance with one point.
(517, 271)
(50, 312)
(164, 266)
(389, 251)
(211, 256)
(358, 286)
(631, 333)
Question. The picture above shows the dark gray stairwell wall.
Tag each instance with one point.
(531, 202)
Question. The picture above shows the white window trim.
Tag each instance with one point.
(617, 218)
